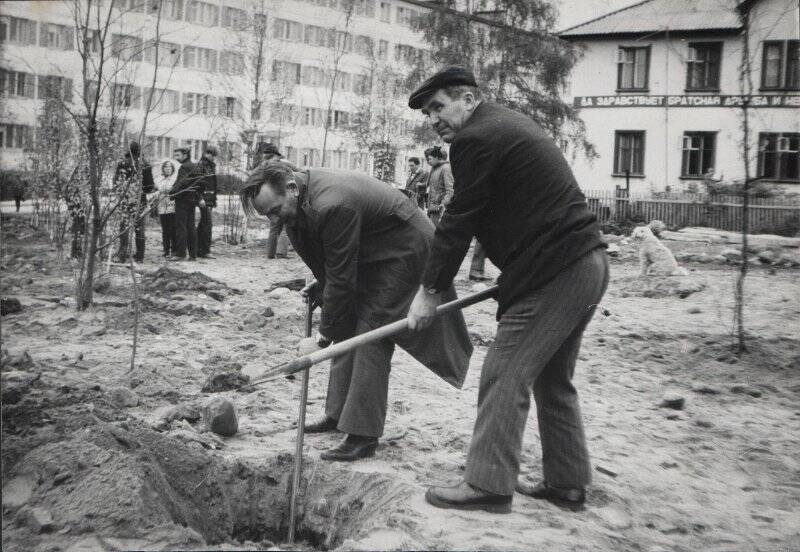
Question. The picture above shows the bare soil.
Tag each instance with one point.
(720, 474)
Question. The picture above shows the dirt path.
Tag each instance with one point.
(720, 474)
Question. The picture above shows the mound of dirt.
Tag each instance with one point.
(168, 281)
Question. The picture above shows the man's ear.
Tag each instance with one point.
(292, 189)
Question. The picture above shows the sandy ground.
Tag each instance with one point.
(721, 474)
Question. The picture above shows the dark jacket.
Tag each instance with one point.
(367, 246)
(207, 175)
(515, 192)
(414, 180)
(186, 189)
(440, 186)
(126, 183)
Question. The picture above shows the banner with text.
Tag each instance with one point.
(687, 101)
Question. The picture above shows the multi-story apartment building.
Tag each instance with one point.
(659, 88)
(209, 71)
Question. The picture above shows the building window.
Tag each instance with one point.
(126, 47)
(16, 136)
(202, 13)
(780, 65)
(17, 83)
(202, 59)
(629, 152)
(702, 66)
(406, 16)
(17, 30)
(165, 101)
(125, 96)
(779, 155)
(169, 53)
(286, 72)
(234, 18)
(698, 153)
(383, 50)
(287, 30)
(227, 107)
(632, 68)
(313, 76)
(172, 9)
(58, 37)
(231, 63)
(386, 12)
(55, 87)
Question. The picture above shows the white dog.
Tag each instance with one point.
(654, 257)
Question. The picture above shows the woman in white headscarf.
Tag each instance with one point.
(164, 177)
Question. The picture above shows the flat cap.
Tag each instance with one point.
(449, 76)
(267, 148)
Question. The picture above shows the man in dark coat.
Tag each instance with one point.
(207, 175)
(515, 192)
(187, 195)
(133, 180)
(417, 182)
(440, 183)
(366, 245)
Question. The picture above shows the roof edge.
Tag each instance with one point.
(603, 16)
(653, 33)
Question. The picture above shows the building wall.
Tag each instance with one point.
(294, 138)
(664, 126)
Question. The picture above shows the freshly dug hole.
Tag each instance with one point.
(140, 488)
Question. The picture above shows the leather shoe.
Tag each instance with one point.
(569, 499)
(352, 448)
(466, 497)
(322, 426)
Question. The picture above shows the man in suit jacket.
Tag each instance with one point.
(187, 194)
(515, 192)
(366, 245)
(440, 182)
(417, 181)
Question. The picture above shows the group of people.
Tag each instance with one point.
(432, 190)
(171, 191)
(376, 258)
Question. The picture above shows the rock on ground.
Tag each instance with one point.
(9, 305)
(673, 400)
(123, 397)
(220, 417)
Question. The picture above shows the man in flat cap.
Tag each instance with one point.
(515, 192)
(366, 244)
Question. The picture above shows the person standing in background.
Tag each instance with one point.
(277, 242)
(133, 180)
(207, 175)
(417, 181)
(186, 194)
(164, 178)
(440, 182)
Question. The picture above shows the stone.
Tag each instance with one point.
(9, 305)
(614, 518)
(268, 312)
(18, 491)
(740, 388)
(279, 292)
(694, 310)
(171, 286)
(220, 417)
(122, 397)
(479, 287)
(613, 250)
(719, 259)
(216, 294)
(37, 519)
(731, 255)
(253, 321)
(672, 400)
(705, 389)
(702, 422)
(767, 256)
